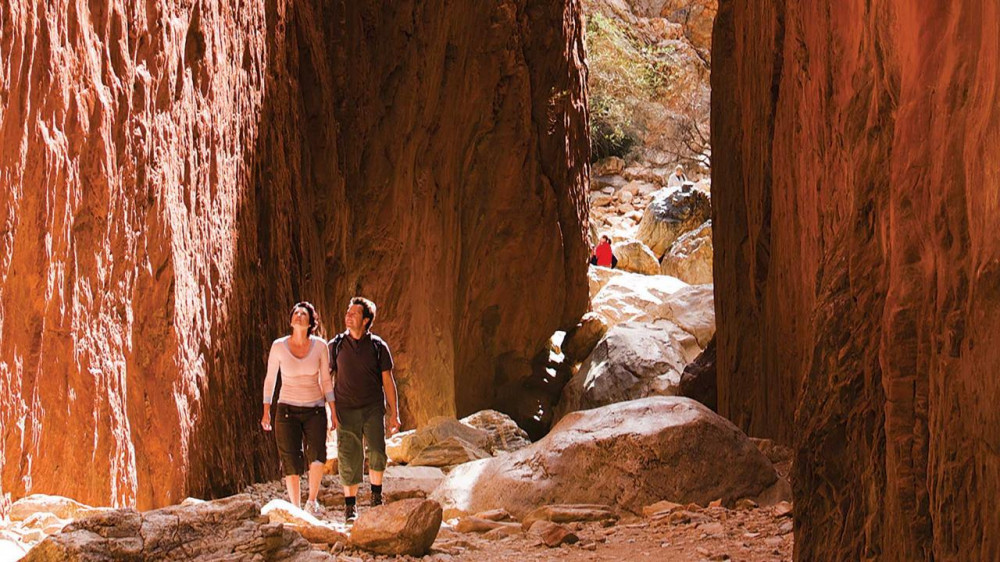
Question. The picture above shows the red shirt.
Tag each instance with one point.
(603, 253)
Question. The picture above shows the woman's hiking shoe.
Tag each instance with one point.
(376, 499)
(312, 508)
(350, 513)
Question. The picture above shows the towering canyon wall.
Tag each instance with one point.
(858, 264)
(175, 174)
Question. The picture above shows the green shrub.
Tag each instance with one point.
(611, 131)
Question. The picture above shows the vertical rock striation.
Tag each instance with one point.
(175, 174)
(857, 265)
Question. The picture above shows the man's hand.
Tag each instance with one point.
(392, 423)
(333, 415)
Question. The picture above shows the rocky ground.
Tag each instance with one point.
(700, 533)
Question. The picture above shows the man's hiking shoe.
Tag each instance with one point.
(350, 513)
(376, 500)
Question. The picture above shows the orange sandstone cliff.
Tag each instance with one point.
(174, 174)
(857, 267)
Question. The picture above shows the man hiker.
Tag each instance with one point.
(678, 178)
(363, 386)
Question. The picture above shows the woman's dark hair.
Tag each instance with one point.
(367, 309)
(312, 314)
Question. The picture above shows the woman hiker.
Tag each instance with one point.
(300, 416)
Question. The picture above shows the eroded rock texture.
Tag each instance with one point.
(858, 267)
(175, 174)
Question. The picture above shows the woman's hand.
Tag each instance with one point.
(265, 420)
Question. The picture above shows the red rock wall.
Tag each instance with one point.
(175, 174)
(858, 267)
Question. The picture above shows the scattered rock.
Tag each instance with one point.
(403, 527)
(404, 447)
(553, 534)
(634, 256)
(502, 432)
(713, 528)
(691, 257)
(598, 183)
(63, 508)
(782, 509)
(786, 527)
(745, 503)
(220, 529)
(449, 452)
(568, 513)
(495, 515)
(773, 541)
(626, 455)
(601, 200)
(660, 507)
(503, 532)
(472, 524)
(610, 166)
(671, 214)
(311, 528)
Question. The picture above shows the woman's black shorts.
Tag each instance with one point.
(298, 426)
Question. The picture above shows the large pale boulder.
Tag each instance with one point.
(222, 529)
(628, 297)
(503, 433)
(632, 361)
(634, 256)
(691, 256)
(406, 527)
(404, 447)
(627, 455)
(671, 214)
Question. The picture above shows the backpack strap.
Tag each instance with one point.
(335, 350)
(336, 342)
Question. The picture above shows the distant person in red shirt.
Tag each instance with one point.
(603, 256)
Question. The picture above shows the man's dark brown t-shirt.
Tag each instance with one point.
(357, 366)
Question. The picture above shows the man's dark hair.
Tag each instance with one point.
(312, 314)
(367, 309)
